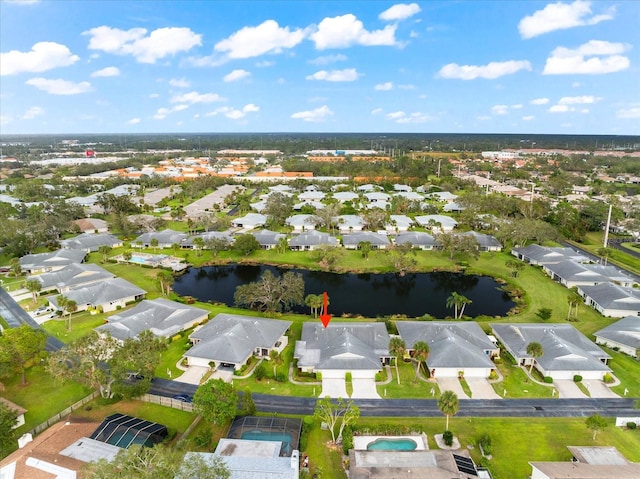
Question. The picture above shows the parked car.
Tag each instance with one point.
(183, 398)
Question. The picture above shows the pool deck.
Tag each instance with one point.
(360, 443)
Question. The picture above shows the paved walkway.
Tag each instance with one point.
(452, 384)
(568, 389)
(481, 389)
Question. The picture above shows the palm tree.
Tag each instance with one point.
(276, 358)
(535, 351)
(420, 354)
(574, 299)
(314, 301)
(397, 348)
(165, 279)
(15, 268)
(198, 242)
(448, 404)
(458, 302)
(154, 243)
(71, 307)
(365, 248)
(33, 286)
(283, 245)
(104, 251)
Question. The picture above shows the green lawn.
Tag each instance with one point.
(626, 370)
(81, 325)
(324, 461)
(517, 384)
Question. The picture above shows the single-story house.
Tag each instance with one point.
(612, 300)
(540, 255)
(301, 223)
(453, 207)
(623, 334)
(440, 223)
(454, 346)
(208, 236)
(90, 242)
(47, 262)
(268, 239)
(369, 187)
(311, 196)
(259, 206)
(229, 340)
(316, 205)
(344, 196)
(357, 348)
(588, 462)
(72, 276)
(166, 238)
(398, 223)
(92, 225)
(350, 223)
(418, 239)
(566, 351)
(377, 241)
(281, 189)
(164, 318)
(108, 295)
(570, 274)
(485, 242)
(444, 196)
(310, 240)
(381, 205)
(409, 195)
(19, 410)
(402, 187)
(250, 221)
(377, 197)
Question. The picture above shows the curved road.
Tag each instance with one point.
(428, 407)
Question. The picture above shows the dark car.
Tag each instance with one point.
(183, 398)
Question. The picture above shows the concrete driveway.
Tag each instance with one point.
(568, 389)
(334, 388)
(452, 384)
(598, 389)
(481, 389)
(192, 375)
(364, 388)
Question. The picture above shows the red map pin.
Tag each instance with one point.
(325, 317)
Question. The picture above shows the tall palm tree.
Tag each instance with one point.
(154, 244)
(314, 301)
(70, 307)
(458, 302)
(397, 348)
(276, 358)
(534, 350)
(448, 404)
(574, 299)
(33, 286)
(420, 354)
(283, 245)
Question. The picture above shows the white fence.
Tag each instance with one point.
(622, 421)
(169, 402)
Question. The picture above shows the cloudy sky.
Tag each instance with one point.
(310, 66)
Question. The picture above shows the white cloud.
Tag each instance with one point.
(134, 121)
(59, 86)
(268, 37)
(106, 72)
(145, 48)
(395, 115)
(579, 100)
(42, 57)
(633, 112)
(384, 86)
(490, 71)
(560, 109)
(348, 74)
(33, 112)
(376, 111)
(179, 83)
(250, 107)
(560, 16)
(347, 30)
(154, 95)
(236, 75)
(539, 101)
(328, 59)
(180, 107)
(161, 113)
(195, 97)
(265, 64)
(528, 118)
(400, 11)
(234, 113)
(318, 115)
(403, 118)
(500, 109)
(576, 84)
(591, 58)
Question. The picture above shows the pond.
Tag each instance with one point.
(371, 295)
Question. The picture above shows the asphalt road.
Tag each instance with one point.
(15, 317)
(428, 407)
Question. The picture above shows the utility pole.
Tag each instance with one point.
(606, 229)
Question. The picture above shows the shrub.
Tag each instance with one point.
(607, 378)
(631, 425)
(485, 442)
(548, 379)
(260, 372)
(203, 438)
(347, 439)
(447, 437)
(281, 377)
(307, 425)
(577, 378)
(497, 360)
(493, 374)
(544, 313)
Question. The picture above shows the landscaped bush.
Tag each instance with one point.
(607, 378)
(485, 442)
(260, 372)
(447, 437)
(307, 425)
(347, 439)
(493, 375)
(203, 438)
(577, 378)
(281, 377)
(631, 425)
(548, 379)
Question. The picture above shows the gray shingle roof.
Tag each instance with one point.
(537, 254)
(571, 271)
(91, 242)
(55, 259)
(107, 291)
(165, 237)
(161, 316)
(376, 239)
(416, 238)
(451, 344)
(484, 240)
(626, 331)
(313, 238)
(565, 348)
(231, 338)
(613, 296)
(72, 275)
(267, 237)
(354, 346)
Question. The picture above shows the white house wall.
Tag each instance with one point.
(614, 344)
(468, 372)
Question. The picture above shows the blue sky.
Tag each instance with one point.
(307, 66)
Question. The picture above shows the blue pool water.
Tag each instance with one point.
(257, 435)
(392, 445)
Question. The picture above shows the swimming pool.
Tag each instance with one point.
(383, 444)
